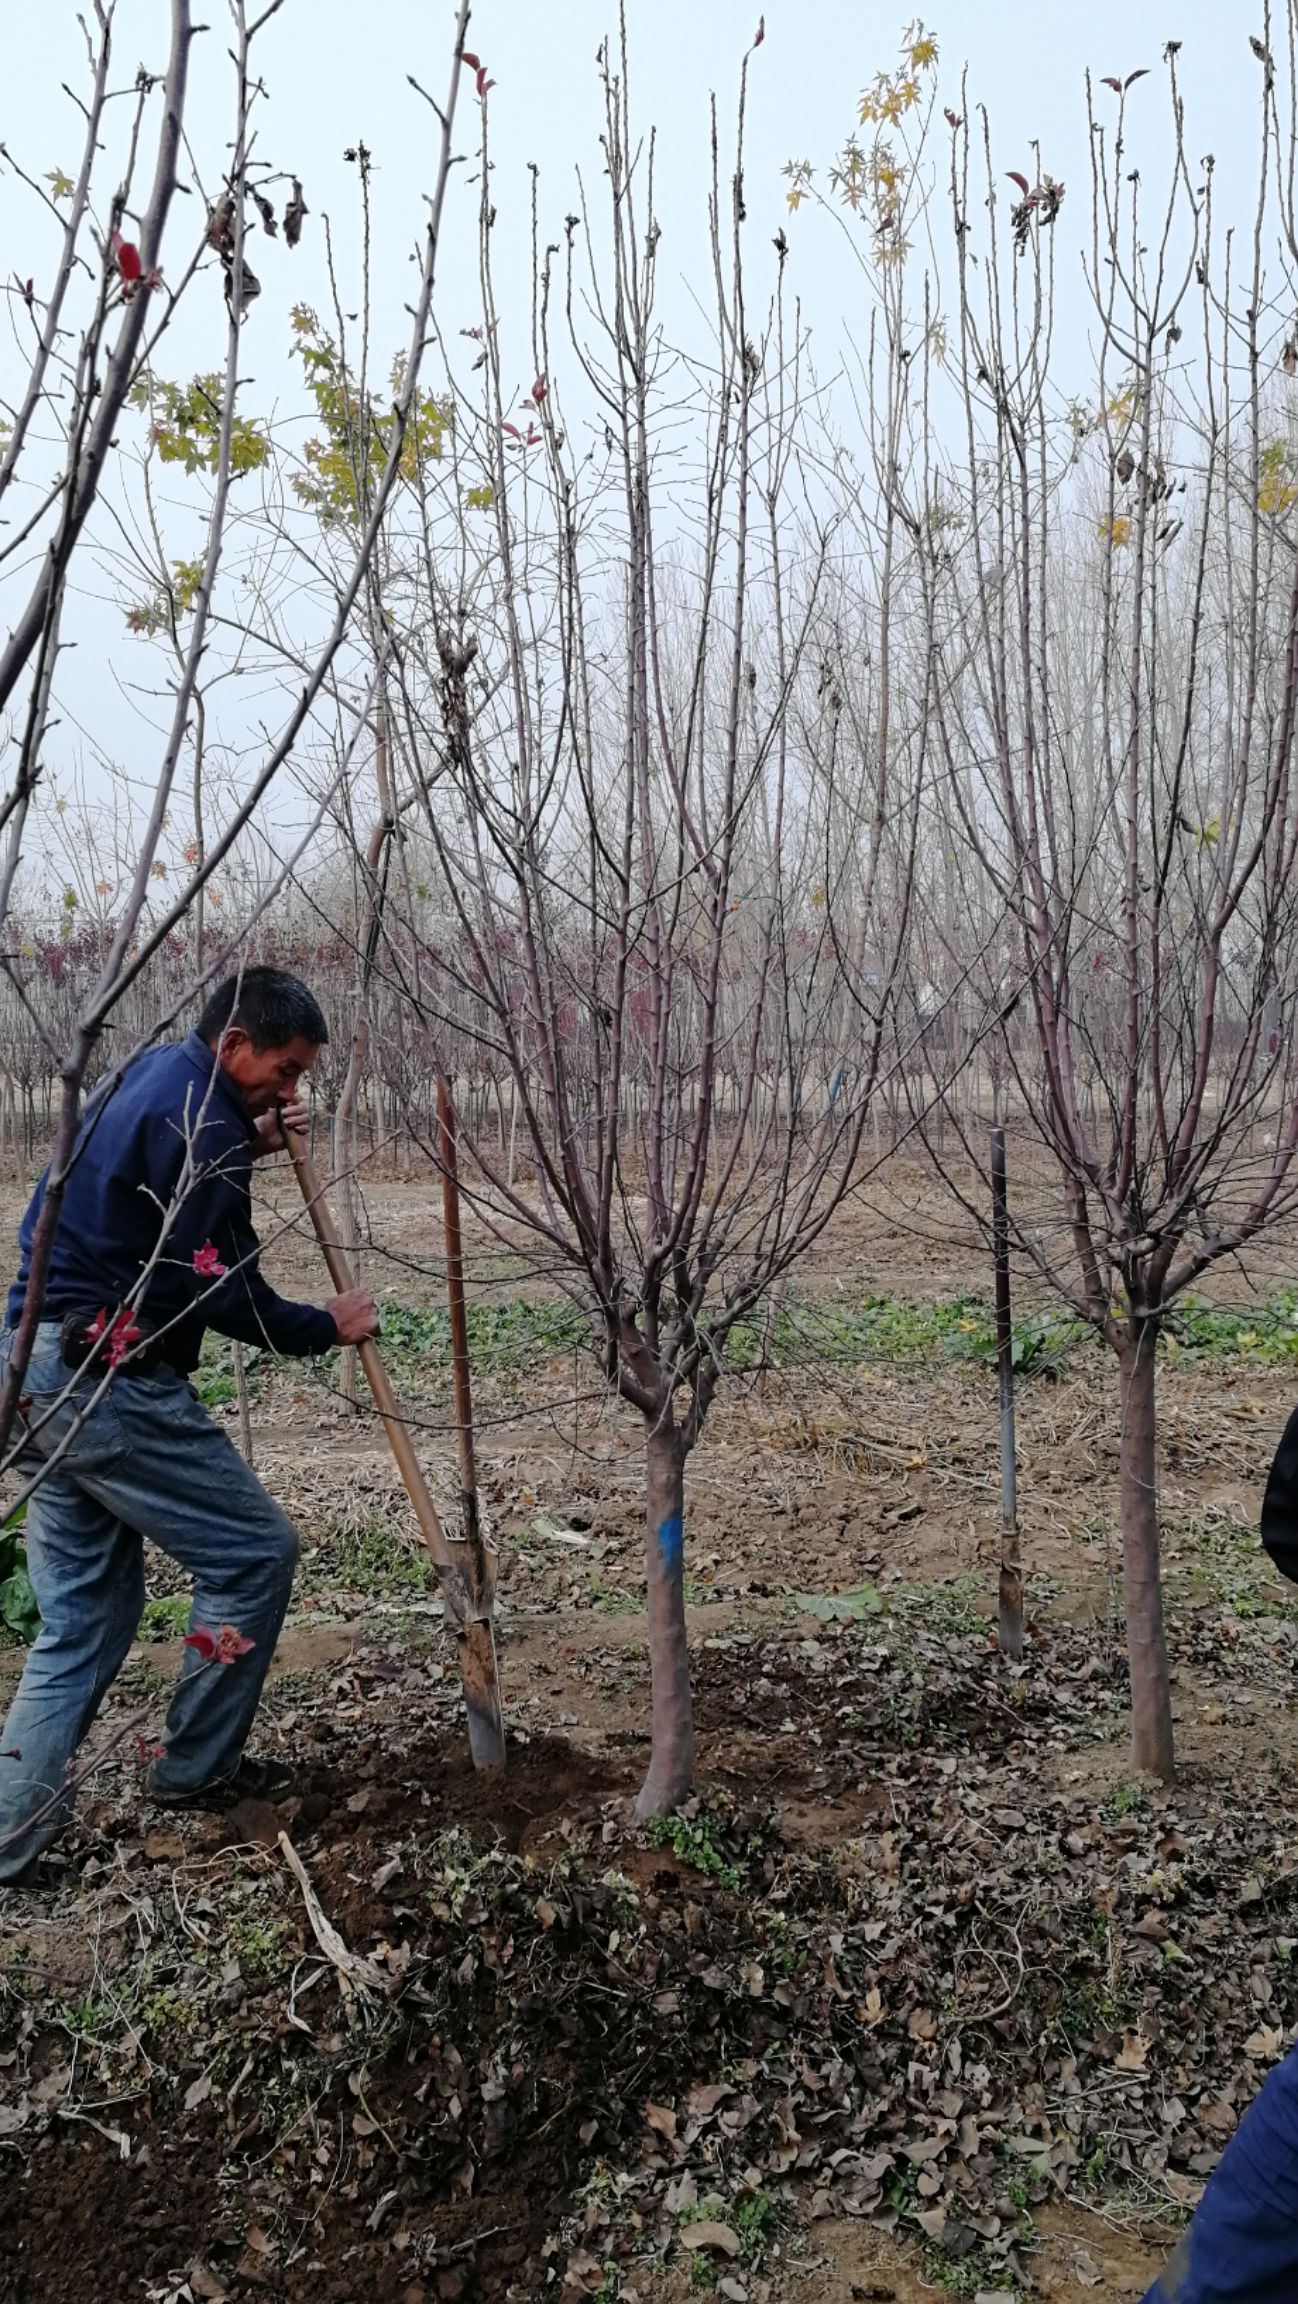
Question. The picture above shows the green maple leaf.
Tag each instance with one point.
(60, 185)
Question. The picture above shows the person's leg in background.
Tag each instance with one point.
(1242, 2246)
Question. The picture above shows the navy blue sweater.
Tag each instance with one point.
(170, 1147)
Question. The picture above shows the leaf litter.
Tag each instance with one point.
(976, 1986)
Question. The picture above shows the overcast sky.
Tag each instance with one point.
(336, 74)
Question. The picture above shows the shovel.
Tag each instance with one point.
(464, 1568)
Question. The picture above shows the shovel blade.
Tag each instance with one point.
(477, 1647)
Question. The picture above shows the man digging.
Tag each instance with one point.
(154, 1245)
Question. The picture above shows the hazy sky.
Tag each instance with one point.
(336, 73)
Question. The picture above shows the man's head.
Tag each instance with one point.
(266, 1028)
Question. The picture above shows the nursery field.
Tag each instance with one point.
(923, 1993)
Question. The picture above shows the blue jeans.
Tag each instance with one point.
(147, 1461)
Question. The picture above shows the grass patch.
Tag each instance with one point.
(1266, 1332)
(508, 1338)
(1218, 1562)
(951, 1610)
(165, 1618)
(213, 1379)
(373, 1558)
(503, 1338)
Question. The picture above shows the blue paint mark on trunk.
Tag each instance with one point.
(671, 1544)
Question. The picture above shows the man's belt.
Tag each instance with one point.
(106, 1339)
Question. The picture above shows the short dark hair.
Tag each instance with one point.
(271, 1006)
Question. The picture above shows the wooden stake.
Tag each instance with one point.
(245, 1410)
(1009, 1617)
(462, 1568)
(459, 1315)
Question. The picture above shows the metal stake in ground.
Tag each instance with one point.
(459, 1316)
(461, 1567)
(1009, 1613)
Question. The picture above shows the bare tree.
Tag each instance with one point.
(83, 369)
(669, 886)
(1111, 608)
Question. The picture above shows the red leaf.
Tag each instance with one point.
(204, 1644)
(761, 32)
(128, 257)
(482, 80)
(474, 62)
(512, 430)
(1109, 82)
(539, 390)
(1021, 181)
(952, 118)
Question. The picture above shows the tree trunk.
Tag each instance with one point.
(671, 1763)
(1151, 1696)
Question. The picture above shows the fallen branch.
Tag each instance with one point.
(355, 1973)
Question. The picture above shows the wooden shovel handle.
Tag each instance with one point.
(461, 1568)
(380, 1384)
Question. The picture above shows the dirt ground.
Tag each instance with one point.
(925, 1994)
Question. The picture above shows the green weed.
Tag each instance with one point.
(503, 1338)
(20, 1618)
(165, 1618)
(1266, 1331)
(1127, 1800)
(692, 1840)
(1219, 1561)
(213, 1379)
(757, 2219)
(259, 1946)
(608, 1599)
(88, 2017)
(969, 2275)
(951, 1610)
(375, 1558)
(850, 1607)
(1094, 2166)
(884, 1328)
(168, 2010)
